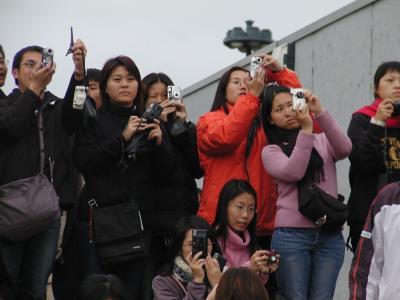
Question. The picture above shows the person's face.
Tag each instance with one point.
(122, 87)
(29, 61)
(187, 244)
(282, 114)
(241, 210)
(3, 69)
(389, 86)
(94, 93)
(236, 86)
(157, 93)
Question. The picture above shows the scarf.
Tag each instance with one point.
(181, 270)
(286, 140)
(370, 111)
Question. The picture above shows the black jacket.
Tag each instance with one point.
(110, 177)
(2, 95)
(177, 194)
(19, 139)
(367, 171)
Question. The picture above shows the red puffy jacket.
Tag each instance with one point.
(222, 142)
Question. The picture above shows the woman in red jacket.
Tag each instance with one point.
(231, 138)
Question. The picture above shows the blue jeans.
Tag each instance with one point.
(30, 262)
(310, 262)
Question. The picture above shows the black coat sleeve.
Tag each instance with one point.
(187, 144)
(16, 114)
(92, 153)
(72, 118)
(367, 152)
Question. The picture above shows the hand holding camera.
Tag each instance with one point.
(213, 271)
(196, 264)
(155, 131)
(132, 127)
(40, 77)
(256, 84)
(385, 110)
(271, 63)
(314, 104)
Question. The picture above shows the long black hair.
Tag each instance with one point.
(183, 225)
(152, 78)
(231, 190)
(220, 94)
(286, 138)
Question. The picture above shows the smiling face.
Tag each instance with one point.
(389, 86)
(236, 86)
(241, 210)
(122, 87)
(282, 114)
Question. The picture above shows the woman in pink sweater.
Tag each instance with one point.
(235, 224)
(310, 258)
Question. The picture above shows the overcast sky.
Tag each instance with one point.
(182, 38)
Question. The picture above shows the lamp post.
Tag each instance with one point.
(247, 41)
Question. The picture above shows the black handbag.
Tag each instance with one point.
(119, 234)
(324, 210)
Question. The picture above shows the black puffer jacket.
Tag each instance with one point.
(19, 139)
(110, 178)
(176, 194)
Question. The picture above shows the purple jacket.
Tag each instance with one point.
(333, 144)
(168, 288)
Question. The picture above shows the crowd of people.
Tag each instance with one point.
(132, 223)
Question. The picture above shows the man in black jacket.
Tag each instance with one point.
(29, 262)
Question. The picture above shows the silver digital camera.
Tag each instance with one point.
(173, 93)
(298, 98)
(79, 97)
(255, 64)
(47, 56)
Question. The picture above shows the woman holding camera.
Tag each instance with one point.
(186, 276)
(235, 225)
(294, 155)
(177, 193)
(375, 133)
(119, 154)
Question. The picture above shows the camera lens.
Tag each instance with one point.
(300, 94)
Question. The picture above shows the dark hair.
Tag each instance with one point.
(103, 287)
(183, 225)
(93, 74)
(220, 94)
(382, 70)
(18, 57)
(240, 284)
(132, 69)
(152, 78)
(232, 189)
(2, 51)
(267, 99)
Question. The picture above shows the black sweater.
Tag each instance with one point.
(110, 177)
(367, 171)
(19, 139)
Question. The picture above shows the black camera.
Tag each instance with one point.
(396, 109)
(199, 242)
(139, 143)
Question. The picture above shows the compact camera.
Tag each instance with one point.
(173, 93)
(152, 112)
(199, 242)
(272, 257)
(79, 97)
(47, 56)
(255, 64)
(298, 98)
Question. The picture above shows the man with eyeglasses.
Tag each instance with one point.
(3, 71)
(30, 262)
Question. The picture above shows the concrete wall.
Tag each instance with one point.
(336, 57)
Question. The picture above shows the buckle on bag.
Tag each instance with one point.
(321, 221)
(92, 203)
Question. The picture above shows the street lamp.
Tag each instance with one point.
(247, 41)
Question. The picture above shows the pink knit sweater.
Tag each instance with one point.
(333, 145)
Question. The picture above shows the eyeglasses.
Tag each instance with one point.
(30, 64)
(4, 62)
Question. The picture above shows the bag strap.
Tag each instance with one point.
(41, 140)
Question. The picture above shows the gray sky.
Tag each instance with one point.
(180, 38)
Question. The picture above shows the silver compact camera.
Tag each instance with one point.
(255, 64)
(79, 97)
(47, 56)
(298, 98)
(173, 93)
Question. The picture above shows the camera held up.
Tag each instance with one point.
(175, 125)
